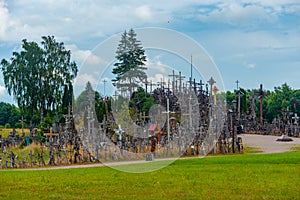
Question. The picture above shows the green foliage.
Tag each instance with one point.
(129, 68)
(7, 125)
(9, 114)
(83, 102)
(140, 102)
(47, 122)
(274, 102)
(18, 125)
(36, 75)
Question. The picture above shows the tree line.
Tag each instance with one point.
(277, 103)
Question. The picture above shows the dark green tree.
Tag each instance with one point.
(9, 114)
(130, 66)
(36, 75)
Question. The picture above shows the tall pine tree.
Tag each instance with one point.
(130, 67)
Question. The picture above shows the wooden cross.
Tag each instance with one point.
(215, 90)
(180, 78)
(23, 120)
(51, 134)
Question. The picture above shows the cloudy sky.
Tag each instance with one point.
(252, 41)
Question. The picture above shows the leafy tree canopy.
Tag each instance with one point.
(36, 75)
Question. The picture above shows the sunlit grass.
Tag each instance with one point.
(263, 176)
(6, 131)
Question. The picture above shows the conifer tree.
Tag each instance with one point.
(130, 66)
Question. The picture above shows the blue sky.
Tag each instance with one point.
(252, 41)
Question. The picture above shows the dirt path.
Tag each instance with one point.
(268, 144)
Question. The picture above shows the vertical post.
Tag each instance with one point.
(104, 82)
(168, 123)
(22, 121)
(211, 82)
(146, 86)
(215, 90)
(237, 84)
(191, 67)
(261, 97)
(173, 80)
(232, 128)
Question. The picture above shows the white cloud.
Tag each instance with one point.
(83, 55)
(143, 12)
(157, 78)
(4, 19)
(239, 14)
(82, 79)
(249, 65)
(2, 90)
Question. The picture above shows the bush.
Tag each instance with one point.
(7, 125)
(18, 125)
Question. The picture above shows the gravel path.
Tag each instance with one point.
(268, 144)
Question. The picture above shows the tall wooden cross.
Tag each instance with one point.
(22, 121)
(211, 82)
(180, 78)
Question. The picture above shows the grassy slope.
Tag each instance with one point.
(273, 176)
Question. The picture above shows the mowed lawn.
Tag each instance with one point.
(272, 176)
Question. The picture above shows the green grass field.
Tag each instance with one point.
(272, 176)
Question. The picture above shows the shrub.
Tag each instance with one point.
(7, 125)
